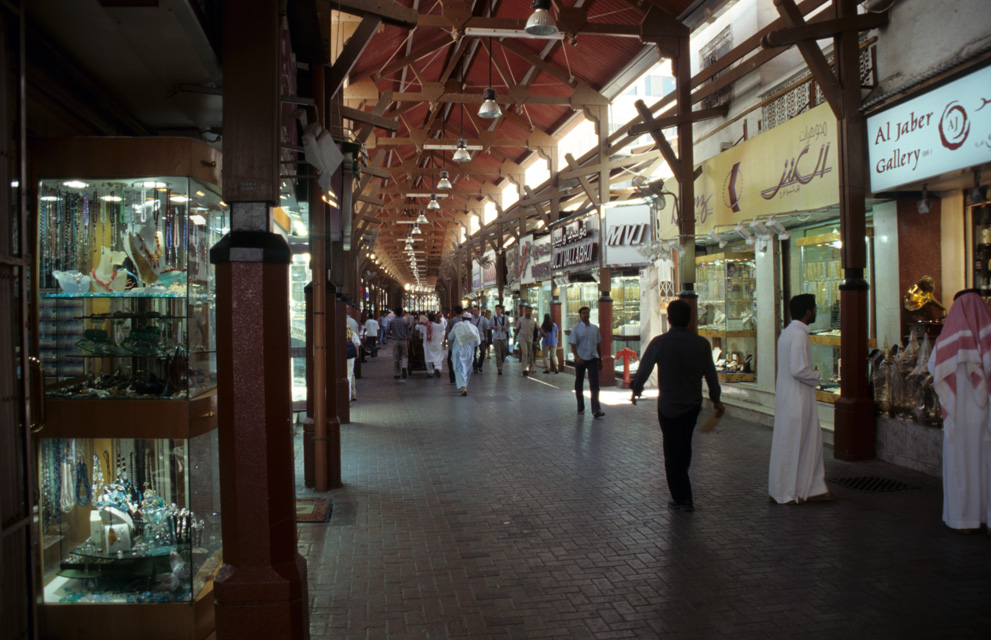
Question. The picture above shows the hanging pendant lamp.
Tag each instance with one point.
(421, 219)
(433, 204)
(445, 181)
(490, 108)
(541, 22)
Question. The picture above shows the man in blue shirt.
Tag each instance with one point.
(586, 348)
(683, 358)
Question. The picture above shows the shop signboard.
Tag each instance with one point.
(535, 259)
(476, 275)
(627, 230)
(944, 130)
(489, 269)
(540, 265)
(792, 167)
(575, 245)
(526, 260)
(513, 266)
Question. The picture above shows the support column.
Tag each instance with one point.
(311, 394)
(260, 590)
(340, 335)
(556, 317)
(686, 186)
(853, 438)
(328, 464)
(607, 377)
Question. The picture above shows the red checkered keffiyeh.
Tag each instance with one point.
(965, 340)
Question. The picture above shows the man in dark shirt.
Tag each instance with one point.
(682, 357)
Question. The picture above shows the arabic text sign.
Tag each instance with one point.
(938, 132)
(627, 230)
(576, 245)
(792, 167)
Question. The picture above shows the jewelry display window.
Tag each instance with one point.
(128, 520)
(127, 287)
(625, 294)
(727, 312)
(820, 273)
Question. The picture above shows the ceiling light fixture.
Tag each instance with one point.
(421, 219)
(416, 231)
(461, 153)
(433, 204)
(490, 108)
(445, 181)
(541, 22)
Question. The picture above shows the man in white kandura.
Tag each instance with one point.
(960, 364)
(466, 338)
(797, 473)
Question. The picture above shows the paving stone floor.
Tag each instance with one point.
(504, 515)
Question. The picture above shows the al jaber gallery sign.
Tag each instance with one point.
(944, 130)
(792, 167)
(575, 245)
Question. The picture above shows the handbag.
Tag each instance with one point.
(352, 351)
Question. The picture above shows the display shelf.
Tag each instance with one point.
(128, 478)
(726, 285)
(821, 274)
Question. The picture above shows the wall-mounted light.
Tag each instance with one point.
(778, 228)
(924, 204)
(743, 233)
(762, 231)
(977, 193)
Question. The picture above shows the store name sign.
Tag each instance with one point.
(535, 265)
(944, 130)
(627, 230)
(575, 246)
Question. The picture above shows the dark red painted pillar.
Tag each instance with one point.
(607, 377)
(341, 361)
(260, 590)
(308, 423)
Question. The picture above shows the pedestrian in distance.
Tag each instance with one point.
(796, 472)
(399, 329)
(500, 335)
(683, 358)
(586, 348)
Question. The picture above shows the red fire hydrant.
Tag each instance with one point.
(627, 355)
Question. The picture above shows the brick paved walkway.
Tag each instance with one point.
(504, 515)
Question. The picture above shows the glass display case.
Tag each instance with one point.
(981, 243)
(625, 294)
(727, 312)
(821, 274)
(127, 458)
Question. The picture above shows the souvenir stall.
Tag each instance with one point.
(129, 513)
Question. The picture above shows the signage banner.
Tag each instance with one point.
(540, 265)
(489, 269)
(535, 259)
(627, 229)
(793, 167)
(575, 246)
(476, 276)
(526, 260)
(944, 130)
(513, 266)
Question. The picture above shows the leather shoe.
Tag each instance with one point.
(682, 506)
(599, 414)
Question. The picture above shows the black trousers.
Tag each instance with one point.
(592, 366)
(450, 365)
(678, 452)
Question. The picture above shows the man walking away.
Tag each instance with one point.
(524, 339)
(500, 336)
(586, 348)
(796, 472)
(455, 318)
(400, 348)
(372, 336)
(683, 358)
